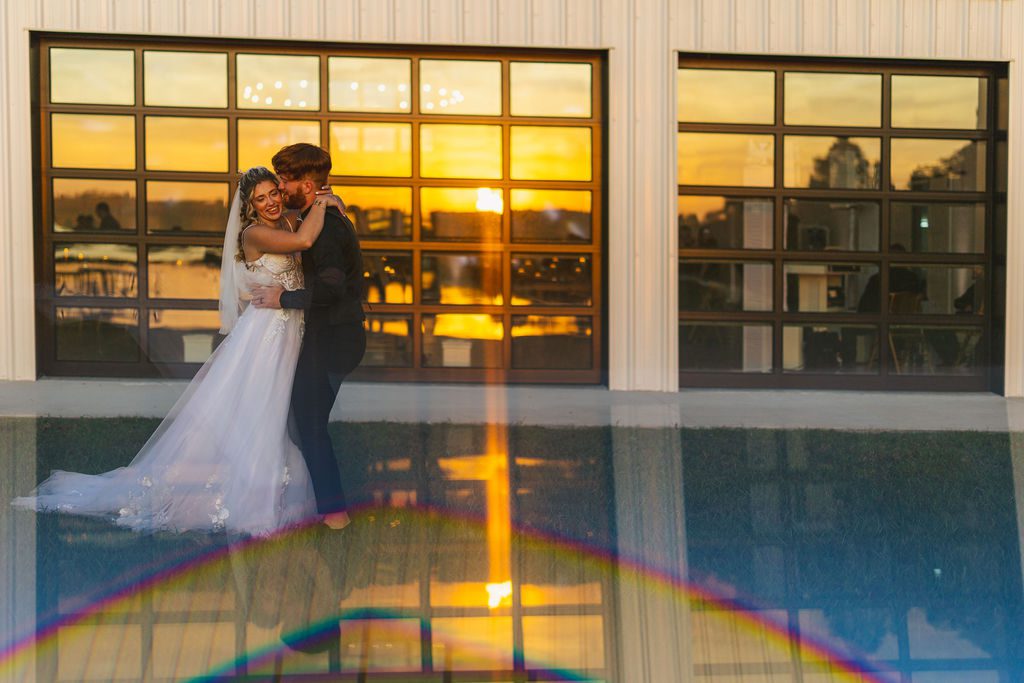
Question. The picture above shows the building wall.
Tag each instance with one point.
(642, 36)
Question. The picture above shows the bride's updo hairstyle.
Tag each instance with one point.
(247, 212)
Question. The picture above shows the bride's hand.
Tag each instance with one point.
(327, 194)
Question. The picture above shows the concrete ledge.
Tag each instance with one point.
(557, 406)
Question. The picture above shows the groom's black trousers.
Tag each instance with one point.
(329, 353)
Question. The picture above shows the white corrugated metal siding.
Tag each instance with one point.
(641, 36)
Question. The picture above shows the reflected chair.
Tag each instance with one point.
(912, 347)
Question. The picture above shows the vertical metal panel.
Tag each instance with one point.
(581, 23)
(340, 19)
(983, 33)
(784, 30)
(375, 20)
(304, 19)
(94, 15)
(271, 18)
(1013, 14)
(17, 312)
(444, 21)
(918, 27)
(237, 18)
(514, 22)
(886, 28)
(951, 20)
(687, 24)
(409, 21)
(751, 25)
(852, 21)
(818, 19)
(129, 16)
(165, 17)
(60, 15)
(201, 17)
(480, 22)
(547, 22)
(718, 25)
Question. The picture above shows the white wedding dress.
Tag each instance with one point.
(222, 459)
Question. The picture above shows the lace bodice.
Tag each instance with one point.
(281, 269)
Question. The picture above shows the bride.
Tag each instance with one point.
(222, 458)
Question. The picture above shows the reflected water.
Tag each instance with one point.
(515, 553)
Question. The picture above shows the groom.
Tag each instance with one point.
(334, 341)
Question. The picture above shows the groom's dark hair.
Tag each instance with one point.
(303, 160)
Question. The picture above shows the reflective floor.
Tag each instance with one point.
(518, 553)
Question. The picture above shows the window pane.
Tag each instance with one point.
(709, 96)
(829, 162)
(93, 141)
(278, 82)
(540, 153)
(460, 87)
(830, 349)
(929, 227)
(552, 342)
(388, 277)
(85, 76)
(546, 89)
(936, 290)
(260, 139)
(1002, 165)
(552, 280)
(369, 84)
(941, 165)
(551, 216)
(460, 151)
(388, 341)
(726, 159)
(97, 334)
(724, 286)
(83, 269)
(831, 287)
(708, 222)
(81, 204)
(837, 225)
(177, 336)
(833, 99)
(934, 350)
(379, 213)
(186, 144)
(462, 340)
(725, 347)
(473, 643)
(939, 102)
(184, 272)
(371, 645)
(570, 642)
(366, 149)
(462, 279)
(469, 214)
(185, 79)
(186, 207)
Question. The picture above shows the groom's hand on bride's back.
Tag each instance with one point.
(267, 297)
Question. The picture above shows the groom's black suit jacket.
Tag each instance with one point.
(333, 271)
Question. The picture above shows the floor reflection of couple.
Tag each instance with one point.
(246, 448)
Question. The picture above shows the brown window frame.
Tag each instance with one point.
(47, 302)
(989, 371)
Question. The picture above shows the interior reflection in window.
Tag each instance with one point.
(462, 278)
(102, 270)
(388, 277)
(85, 205)
(942, 165)
(710, 222)
(812, 225)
